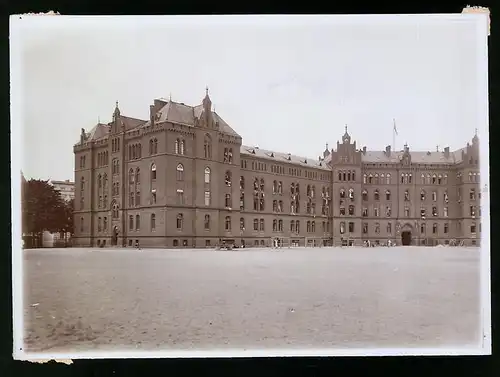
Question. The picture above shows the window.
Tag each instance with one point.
(115, 213)
(473, 228)
(207, 198)
(351, 227)
(207, 175)
(472, 211)
(388, 179)
(422, 212)
(434, 228)
(261, 225)
(445, 197)
(376, 179)
(446, 227)
(313, 226)
(342, 193)
(422, 195)
(365, 212)
(351, 210)
(242, 183)
(137, 222)
(370, 179)
(364, 195)
(445, 179)
(376, 195)
(180, 196)
(180, 221)
(434, 196)
(351, 194)
(180, 172)
(422, 228)
(242, 201)
(153, 222)
(137, 198)
(388, 211)
(402, 178)
(407, 212)
(138, 176)
(81, 224)
(434, 211)
(153, 196)
(256, 224)
(409, 178)
(365, 228)
(153, 172)
(445, 211)
(472, 194)
(376, 212)
(242, 224)
(275, 226)
(99, 224)
(387, 195)
(207, 222)
(428, 180)
(131, 200)
(183, 147)
(407, 196)
(389, 228)
(105, 223)
(342, 227)
(342, 211)
(131, 222)
(177, 145)
(440, 179)
(364, 178)
(228, 223)
(228, 178)
(207, 147)
(377, 228)
(434, 179)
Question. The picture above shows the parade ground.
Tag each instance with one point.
(122, 299)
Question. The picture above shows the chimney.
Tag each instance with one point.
(388, 151)
(364, 150)
(447, 152)
(152, 114)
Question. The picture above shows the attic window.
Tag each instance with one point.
(289, 158)
(305, 161)
(272, 154)
(253, 151)
(428, 153)
(158, 115)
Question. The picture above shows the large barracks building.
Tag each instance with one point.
(183, 179)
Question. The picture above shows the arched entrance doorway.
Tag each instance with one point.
(406, 235)
(114, 236)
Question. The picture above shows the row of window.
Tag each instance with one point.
(278, 169)
(134, 151)
(348, 176)
(102, 159)
(115, 145)
(82, 162)
(473, 177)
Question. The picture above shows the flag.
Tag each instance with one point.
(395, 129)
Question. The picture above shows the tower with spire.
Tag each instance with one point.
(207, 109)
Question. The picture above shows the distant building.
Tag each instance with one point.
(66, 189)
(182, 178)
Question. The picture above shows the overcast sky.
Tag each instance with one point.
(289, 84)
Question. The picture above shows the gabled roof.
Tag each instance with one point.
(283, 157)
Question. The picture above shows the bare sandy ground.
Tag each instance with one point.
(94, 299)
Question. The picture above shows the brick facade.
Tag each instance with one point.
(184, 179)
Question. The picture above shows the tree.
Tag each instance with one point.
(43, 209)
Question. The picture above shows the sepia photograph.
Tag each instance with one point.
(237, 186)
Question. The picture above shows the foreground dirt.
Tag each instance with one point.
(84, 299)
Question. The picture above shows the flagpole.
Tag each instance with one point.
(394, 134)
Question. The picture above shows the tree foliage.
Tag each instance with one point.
(43, 208)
